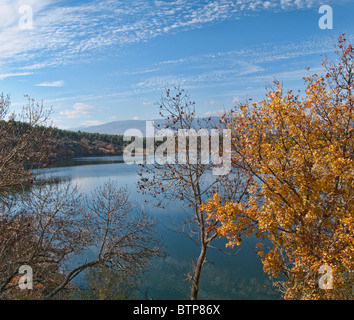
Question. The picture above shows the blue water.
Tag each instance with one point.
(224, 277)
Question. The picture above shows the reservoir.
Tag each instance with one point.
(224, 277)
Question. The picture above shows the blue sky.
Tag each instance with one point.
(99, 61)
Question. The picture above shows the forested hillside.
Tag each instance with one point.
(78, 144)
(69, 144)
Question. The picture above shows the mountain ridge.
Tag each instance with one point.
(121, 126)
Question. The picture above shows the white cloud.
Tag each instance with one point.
(34, 66)
(79, 110)
(267, 4)
(51, 84)
(16, 74)
(254, 5)
(285, 3)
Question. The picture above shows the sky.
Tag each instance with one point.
(98, 61)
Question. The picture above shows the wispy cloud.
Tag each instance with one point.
(51, 84)
(284, 76)
(16, 74)
(224, 68)
(246, 60)
(62, 33)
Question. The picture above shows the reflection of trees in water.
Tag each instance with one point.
(217, 282)
(85, 161)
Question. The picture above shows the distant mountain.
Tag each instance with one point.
(119, 127)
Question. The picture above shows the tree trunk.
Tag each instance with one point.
(198, 271)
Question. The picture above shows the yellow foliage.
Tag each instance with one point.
(300, 153)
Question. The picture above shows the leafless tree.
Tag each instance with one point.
(190, 182)
(52, 223)
(40, 228)
(24, 144)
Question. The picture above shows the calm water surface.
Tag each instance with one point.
(224, 277)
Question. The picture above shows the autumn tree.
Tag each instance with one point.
(298, 152)
(180, 173)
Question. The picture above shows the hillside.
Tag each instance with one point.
(102, 140)
(70, 144)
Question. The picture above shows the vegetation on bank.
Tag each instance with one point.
(70, 144)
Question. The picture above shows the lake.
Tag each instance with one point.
(224, 277)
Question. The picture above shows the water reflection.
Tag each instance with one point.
(224, 276)
(87, 161)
